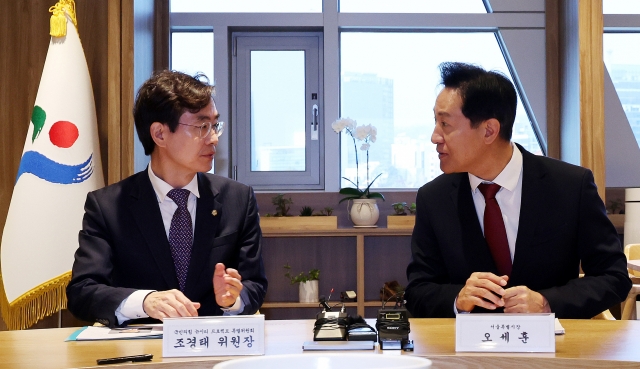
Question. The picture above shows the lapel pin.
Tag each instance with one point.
(214, 213)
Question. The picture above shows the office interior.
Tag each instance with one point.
(555, 55)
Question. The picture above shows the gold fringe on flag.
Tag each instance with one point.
(58, 22)
(36, 304)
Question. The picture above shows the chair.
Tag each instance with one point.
(605, 315)
(632, 252)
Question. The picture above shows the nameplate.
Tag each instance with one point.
(505, 333)
(213, 336)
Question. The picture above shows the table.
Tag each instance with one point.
(587, 343)
(633, 265)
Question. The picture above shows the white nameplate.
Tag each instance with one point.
(213, 336)
(505, 332)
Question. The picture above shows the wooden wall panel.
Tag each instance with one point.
(125, 124)
(552, 28)
(161, 35)
(113, 55)
(92, 28)
(24, 39)
(119, 72)
(592, 150)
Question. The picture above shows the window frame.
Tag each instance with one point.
(312, 178)
(332, 23)
(620, 155)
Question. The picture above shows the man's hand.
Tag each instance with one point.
(169, 304)
(521, 299)
(482, 289)
(226, 285)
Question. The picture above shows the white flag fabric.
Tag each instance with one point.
(60, 164)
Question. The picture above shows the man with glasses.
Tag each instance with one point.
(172, 240)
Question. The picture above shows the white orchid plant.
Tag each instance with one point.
(367, 135)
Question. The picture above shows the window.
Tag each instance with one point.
(622, 92)
(246, 6)
(620, 6)
(396, 93)
(372, 66)
(278, 102)
(192, 52)
(412, 6)
(623, 65)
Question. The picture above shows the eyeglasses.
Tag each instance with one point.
(207, 127)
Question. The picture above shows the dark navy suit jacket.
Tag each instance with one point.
(124, 247)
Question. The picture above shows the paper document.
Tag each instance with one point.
(559, 329)
(126, 333)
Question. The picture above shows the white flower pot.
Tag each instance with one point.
(308, 291)
(364, 212)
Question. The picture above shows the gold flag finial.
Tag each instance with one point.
(58, 23)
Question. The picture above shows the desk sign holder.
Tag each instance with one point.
(505, 333)
(213, 336)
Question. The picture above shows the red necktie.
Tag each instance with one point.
(494, 230)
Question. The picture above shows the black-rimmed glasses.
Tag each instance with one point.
(207, 127)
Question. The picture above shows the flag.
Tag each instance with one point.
(60, 164)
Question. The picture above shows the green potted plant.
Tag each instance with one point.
(306, 211)
(308, 283)
(400, 219)
(282, 205)
(399, 208)
(326, 212)
(364, 212)
(283, 220)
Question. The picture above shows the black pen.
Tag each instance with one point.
(124, 359)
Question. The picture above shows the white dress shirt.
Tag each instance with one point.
(509, 198)
(132, 306)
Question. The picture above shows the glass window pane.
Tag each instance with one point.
(246, 6)
(396, 92)
(412, 6)
(192, 52)
(623, 63)
(277, 111)
(621, 7)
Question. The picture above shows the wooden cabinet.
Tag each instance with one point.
(359, 259)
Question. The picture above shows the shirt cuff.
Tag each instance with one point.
(455, 309)
(234, 309)
(132, 306)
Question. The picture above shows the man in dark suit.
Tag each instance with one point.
(170, 241)
(520, 250)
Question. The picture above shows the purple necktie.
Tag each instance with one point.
(181, 235)
(494, 230)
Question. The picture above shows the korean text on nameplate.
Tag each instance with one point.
(213, 336)
(505, 333)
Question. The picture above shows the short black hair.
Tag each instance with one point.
(164, 98)
(484, 94)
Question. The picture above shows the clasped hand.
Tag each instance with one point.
(486, 290)
(174, 304)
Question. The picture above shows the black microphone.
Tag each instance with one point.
(324, 304)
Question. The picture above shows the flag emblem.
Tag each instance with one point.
(60, 164)
(62, 134)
